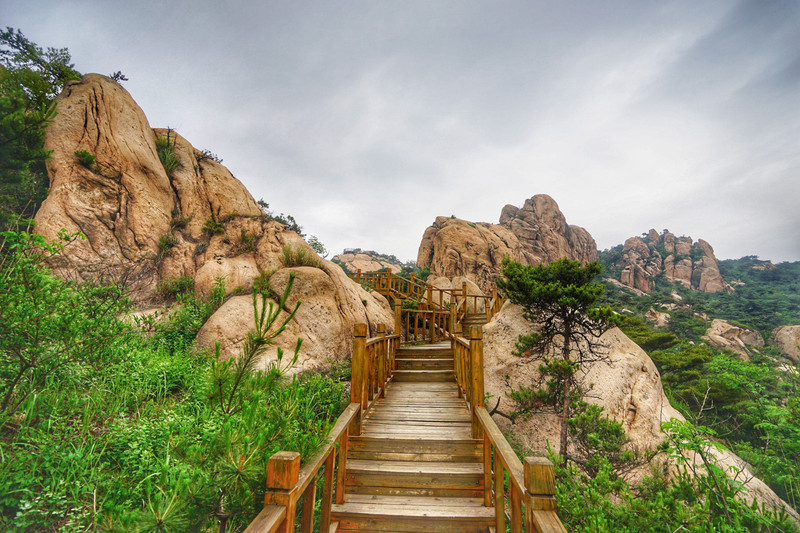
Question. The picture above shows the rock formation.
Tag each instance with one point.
(722, 334)
(628, 388)
(680, 260)
(536, 233)
(146, 222)
(787, 338)
(366, 261)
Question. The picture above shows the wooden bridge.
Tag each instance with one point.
(416, 450)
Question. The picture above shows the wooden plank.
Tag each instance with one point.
(267, 520)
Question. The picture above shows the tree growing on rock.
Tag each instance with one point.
(561, 299)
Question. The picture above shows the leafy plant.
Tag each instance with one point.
(170, 288)
(293, 257)
(165, 147)
(561, 298)
(85, 158)
(178, 221)
(165, 243)
(212, 227)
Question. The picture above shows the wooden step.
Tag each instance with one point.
(426, 350)
(424, 375)
(412, 514)
(443, 363)
(414, 478)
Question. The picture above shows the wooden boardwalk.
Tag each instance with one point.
(416, 466)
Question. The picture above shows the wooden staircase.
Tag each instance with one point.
(415, 466)
(416, 450)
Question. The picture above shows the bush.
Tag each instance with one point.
(178, 221)
(212, 227)
(247, 243)
(170, 288)
(85, 158)
(293, 257)
(166, 154)
(165, 244)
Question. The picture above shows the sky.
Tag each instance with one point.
(366, 120)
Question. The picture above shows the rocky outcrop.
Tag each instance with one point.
(628, 387)
(367, 261)
(680, 260)
(536, 233)
(148, 222)
(722, 334)
(657, 318)
(787, 338)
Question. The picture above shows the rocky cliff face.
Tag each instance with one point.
(536, 233)
(787, 338)
(678, 259)
(144, 224)
(366, 261)
(628, 387)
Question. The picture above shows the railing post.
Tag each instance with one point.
(429, 295)
(357, 381)
(540, 488)
(358, 276)
(398, 319)
(476, 366)
(283, 471)
(389, 281)
(381, 357)
(464, 294)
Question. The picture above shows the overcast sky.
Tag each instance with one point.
(366, 120)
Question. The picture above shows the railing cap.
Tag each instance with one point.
(540, 476)
(360, 330)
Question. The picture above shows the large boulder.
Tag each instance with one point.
(680, 260)
(148, 223)
(723, 334)
(787, 338)
(534, 234)
(367, 261)
(325, 319)
(627, 385)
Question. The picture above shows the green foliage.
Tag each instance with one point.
(126, 435)
(247, 243)
(85, 158)
(42, 320)
(165, 147)
(212, 227)
(561, 299)
(178, 221)
(317, 246)
(293, 257)
(171, 288)
(165, 243)
(30, 78)
(204, 155)
(409, 304)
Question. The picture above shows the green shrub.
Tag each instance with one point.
(247, 243)
(212, 227)
(293, 257)
(178, 221)
(261, 282)
(170, 288)
(166, 154)
(85, 158)
(165, 244)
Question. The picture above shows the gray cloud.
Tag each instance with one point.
(366, 120)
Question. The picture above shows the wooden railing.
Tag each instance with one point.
(531, 493)
(288, 484)
(429, 296)
(528, 505)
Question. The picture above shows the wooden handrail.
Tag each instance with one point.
(531, 486)
(287, 482)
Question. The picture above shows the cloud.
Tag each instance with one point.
(366, 120)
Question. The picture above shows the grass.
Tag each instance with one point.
(294, 257)
(165, 243)
(85, 158)
(170, 288)
(166, 154)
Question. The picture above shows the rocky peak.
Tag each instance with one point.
(680, 260)
(367, 261)
(533, 234)
(153, 209)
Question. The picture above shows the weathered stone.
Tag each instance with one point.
(722, 334)
(787, 338)
(536, 233)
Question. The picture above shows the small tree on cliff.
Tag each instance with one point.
(560, 298)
